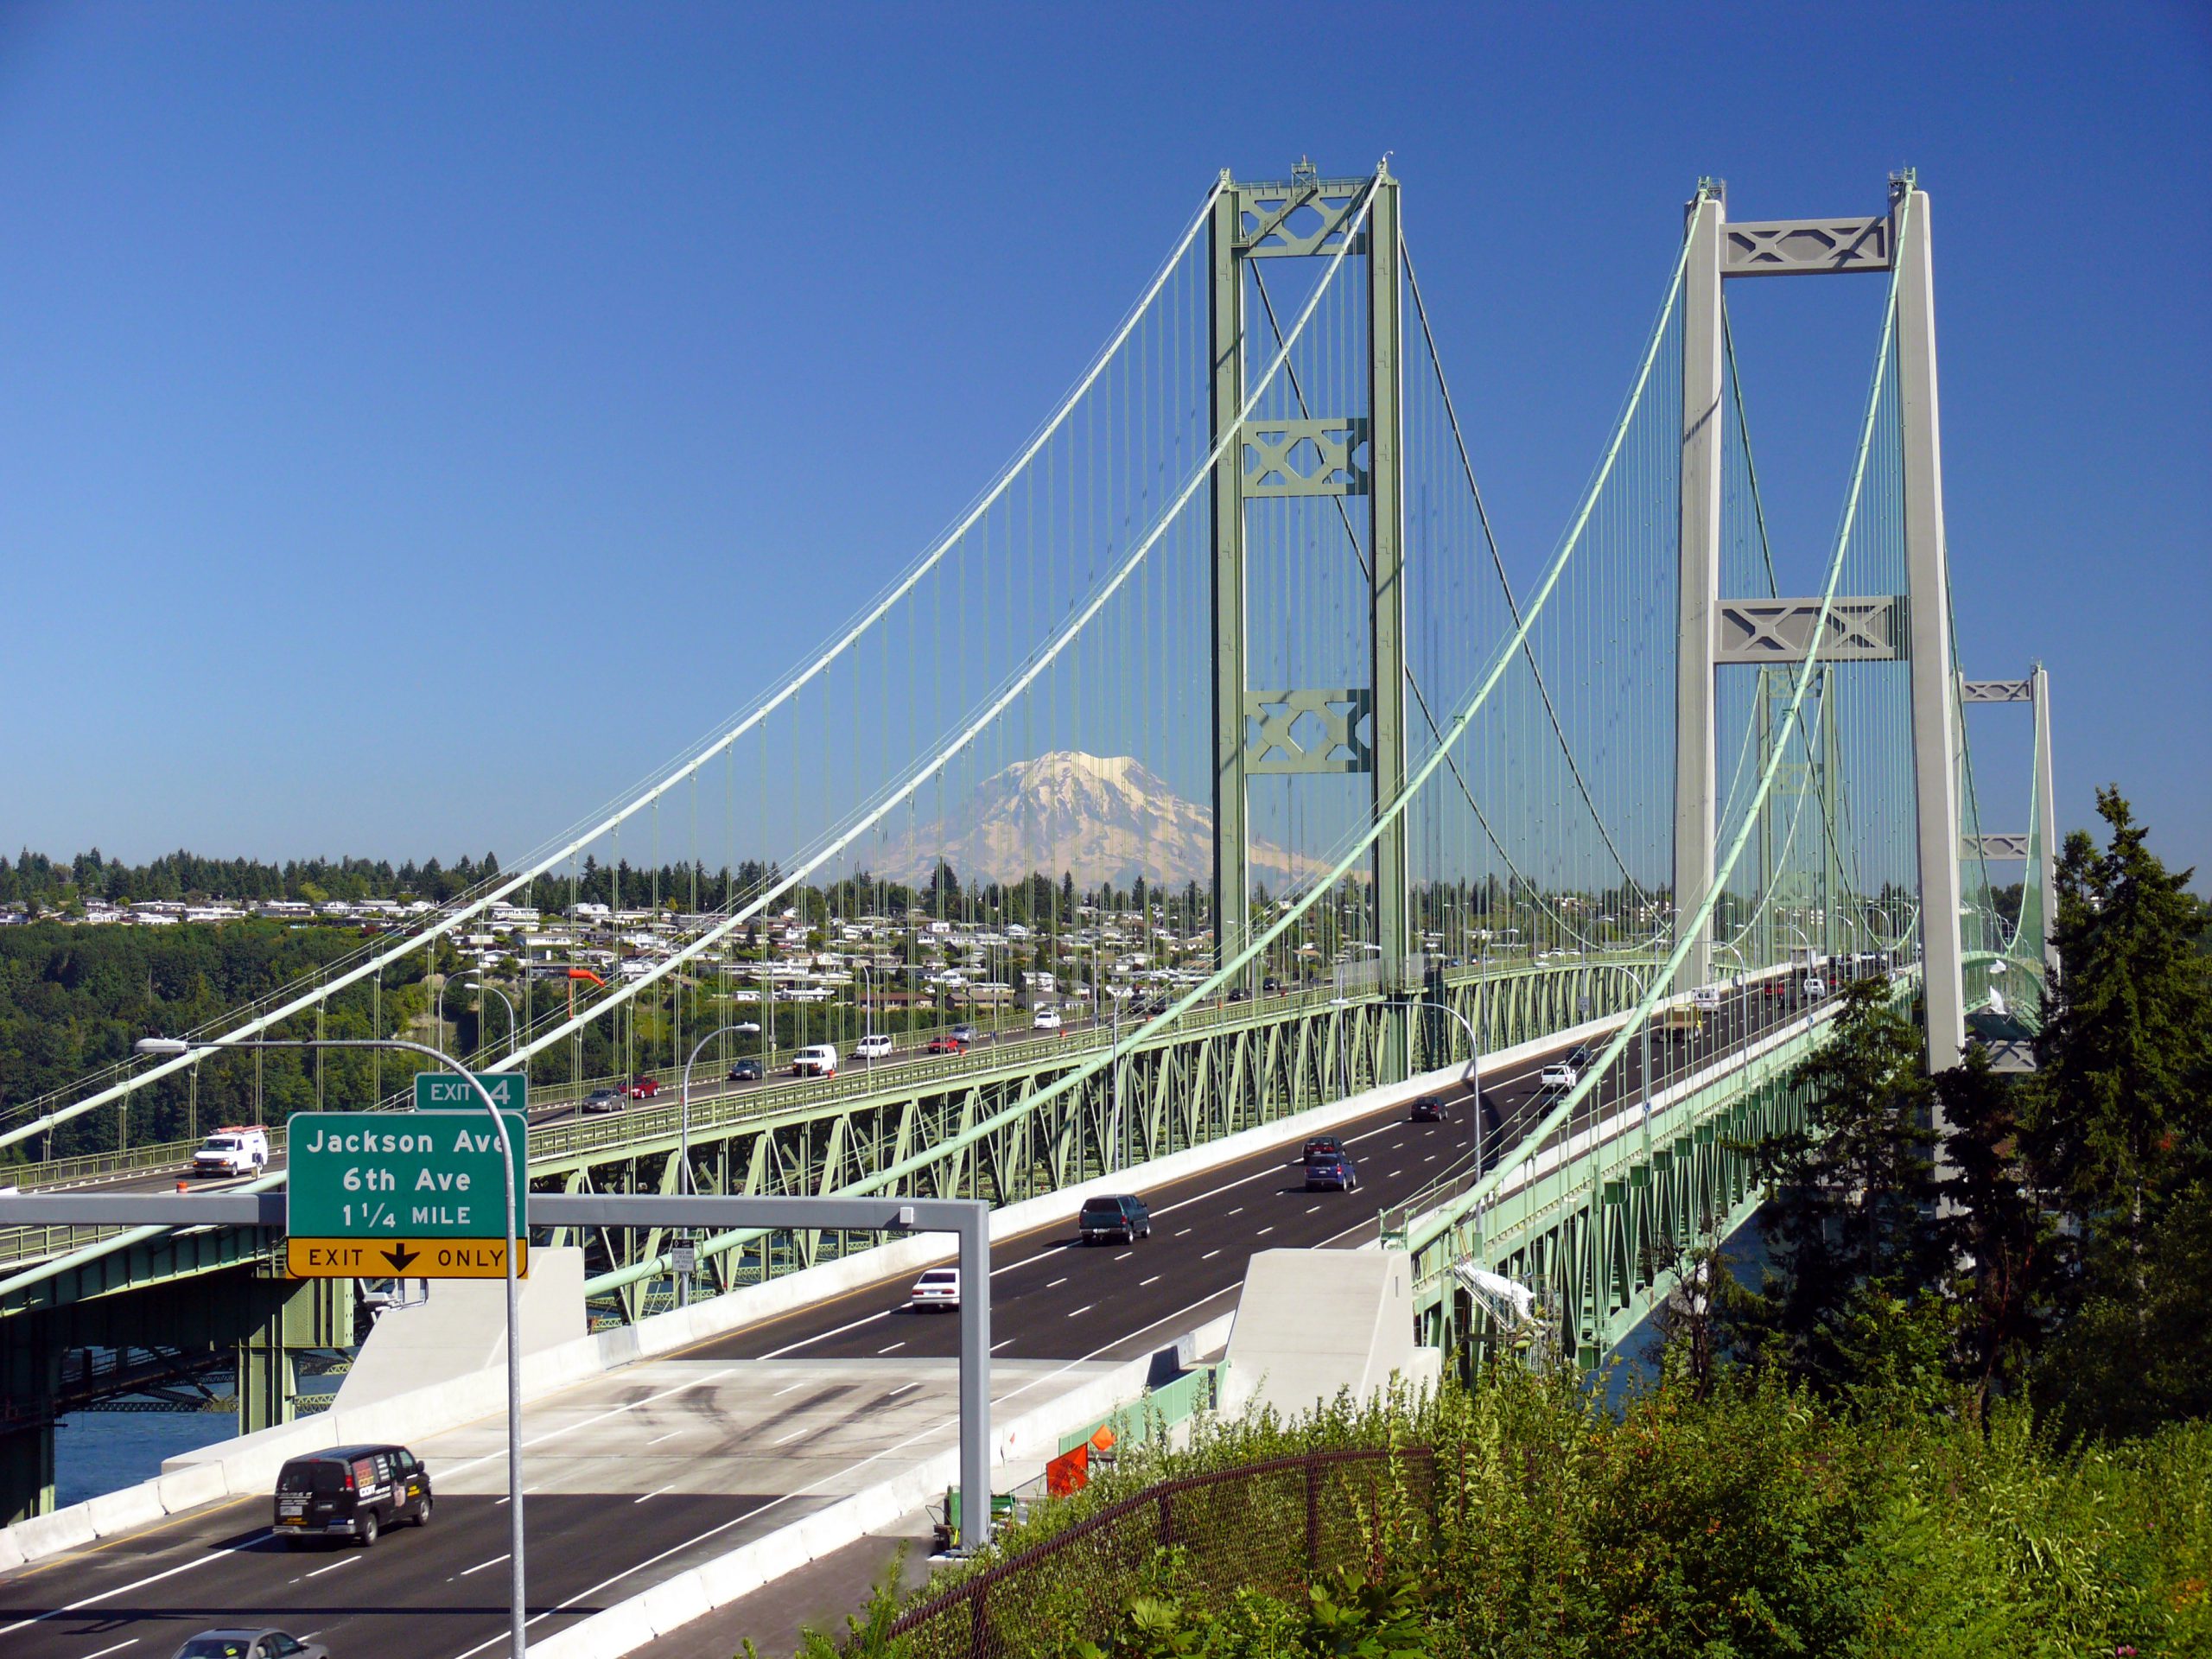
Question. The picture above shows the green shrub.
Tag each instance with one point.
(1757, 1520)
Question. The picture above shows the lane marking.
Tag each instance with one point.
(344, 1561)
(140, 1584)
(1311, 1208)
(1209, 1255)
(1181, 1231)
(496, 1559)
(668, 1488)
(995, 1346)
(1262, 1233)
(656, 1439)
(793, 1435)
(585, 1422)
(893, 1349)
(780, 1392)
(1123, 1256)
(900, 1389)
(824, 1335)
(1238, 1211)
(1085, 1308)
(1055, 1285)
(1154, 1280)
(120, 1646)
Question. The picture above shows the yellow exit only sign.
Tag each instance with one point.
(402, 1258)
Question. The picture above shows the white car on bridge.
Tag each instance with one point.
(938, 1287)
(1558, 1075)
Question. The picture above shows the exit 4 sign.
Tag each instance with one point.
(376, 1195)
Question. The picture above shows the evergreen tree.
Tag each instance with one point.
(2121, 1136)
(1848, 1229)
(1992, 1230)
(2124, 1061)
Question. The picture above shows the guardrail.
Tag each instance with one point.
(636, 1124)
(1277, 1526)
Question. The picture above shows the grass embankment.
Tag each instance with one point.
(1754, 1521)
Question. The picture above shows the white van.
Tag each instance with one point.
(234, 1150)
(875, 1046)
(819, 1061)
(1816, 987)
(1707, 998)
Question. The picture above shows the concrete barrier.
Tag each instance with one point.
(132, 1506)
(49, 1534)
(189, 1488)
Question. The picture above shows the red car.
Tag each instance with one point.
(644, 1088)
(945, 1045)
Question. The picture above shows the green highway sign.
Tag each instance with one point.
(448, 1091)
(405, 1184)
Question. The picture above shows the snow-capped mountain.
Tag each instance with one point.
(1101, 817)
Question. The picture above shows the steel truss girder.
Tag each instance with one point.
(1252, 1063)
(1598, 1242)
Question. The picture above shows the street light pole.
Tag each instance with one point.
(517, 1605)
(446, 983)
(684, 1143)
(1474, 1073)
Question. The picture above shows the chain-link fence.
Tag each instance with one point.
(1275, 1526)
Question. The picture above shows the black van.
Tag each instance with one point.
(351, 1491)
(1124, 1218)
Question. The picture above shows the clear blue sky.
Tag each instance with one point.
(362, 366)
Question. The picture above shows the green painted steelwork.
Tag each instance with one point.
(1221, 1069)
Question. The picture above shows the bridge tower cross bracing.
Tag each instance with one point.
(1918, 630)
(1308, 216)
(2046, 819)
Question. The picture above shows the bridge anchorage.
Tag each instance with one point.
(1209, 771)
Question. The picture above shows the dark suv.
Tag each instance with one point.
(1124, 1219)
(351, 1491)
(1334, 1174)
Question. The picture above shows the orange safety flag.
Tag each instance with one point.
(1103, 1440)
(1068, 1473)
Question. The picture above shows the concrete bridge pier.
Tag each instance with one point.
(279, 1317)
(262, 1315)
(30, 1367)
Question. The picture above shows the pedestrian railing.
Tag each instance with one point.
(1277, 1526)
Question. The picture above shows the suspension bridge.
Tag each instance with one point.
(1210, 768)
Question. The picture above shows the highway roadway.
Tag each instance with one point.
(601, 1529)
(1053, 1297)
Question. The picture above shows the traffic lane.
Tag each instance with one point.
(1030, 1272)
(1056, 1298)
(438, 1591)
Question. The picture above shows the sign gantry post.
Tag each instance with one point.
(509, 1166)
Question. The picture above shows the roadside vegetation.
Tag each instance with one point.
(1964, 1412)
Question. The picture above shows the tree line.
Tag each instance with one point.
(2043, 1236)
